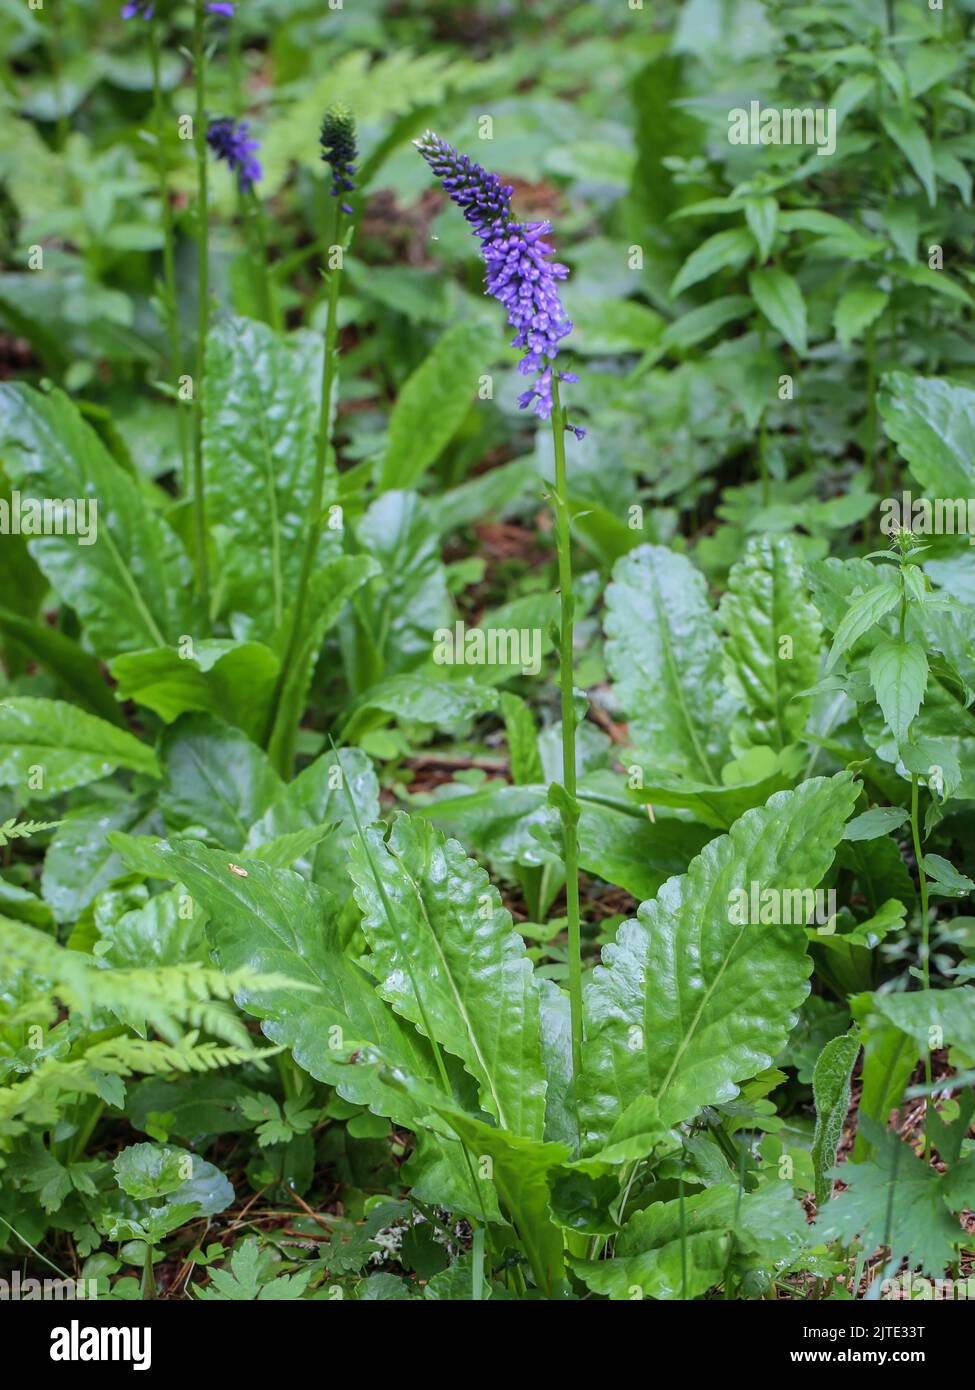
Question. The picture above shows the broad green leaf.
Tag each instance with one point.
(878, 821)
(634, 852)
(520, 1170)
(619, 843)
(933, 1018)
(945, 880)
(517, 1169)
(449, 960)
(771, 654)
(556, 1044)
(779, 298)
(261, 410)
(433, 402)
(150, 1172)
(899, 675)
(418, 700)
(663, 653)
(908, 135)
(49, 746)
(132, 589)
(275, 923)
(230, 680)
(163, 932)
(69, 663)
(320, 795)
(857, 309)
(831, 1093)
(932, 422)
(215, 779)
(283, 851)
(664, 1252)
(719, 805)
(81, 863)
(688, 1002)
(729, 248)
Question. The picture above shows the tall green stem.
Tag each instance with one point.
(314, 529)
(923, 882)
(169, 244)
(252, 214)
(569, 810)
(203, 307)
(57, 68)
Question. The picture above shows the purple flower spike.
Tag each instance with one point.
(137, 9)
(230, 140)
(339, 150)
(519, 276)
(222, 7)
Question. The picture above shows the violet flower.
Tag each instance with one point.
(144, 9)
(230, 140)
(339, 150)
(519, 276)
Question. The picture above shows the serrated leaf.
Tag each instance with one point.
(215, 778)
(67, 745)
(897, 1200)
(450, 961)
(687, 1002)
(899, 675)
(260, 424)
(864, 612)
(932, 422)
(771, 654)
(133, 588)
(831, 1094)
(664, 655)
(276, 923)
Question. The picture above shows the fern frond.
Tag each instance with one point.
(11, 830)
(126, 1055)
(167, 997)
(37, 1099)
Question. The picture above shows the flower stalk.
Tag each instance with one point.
(568, 806)
(338, 145)
(169, 299)
(522, 277)
(203, 307)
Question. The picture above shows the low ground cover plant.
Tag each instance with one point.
(487, 753)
